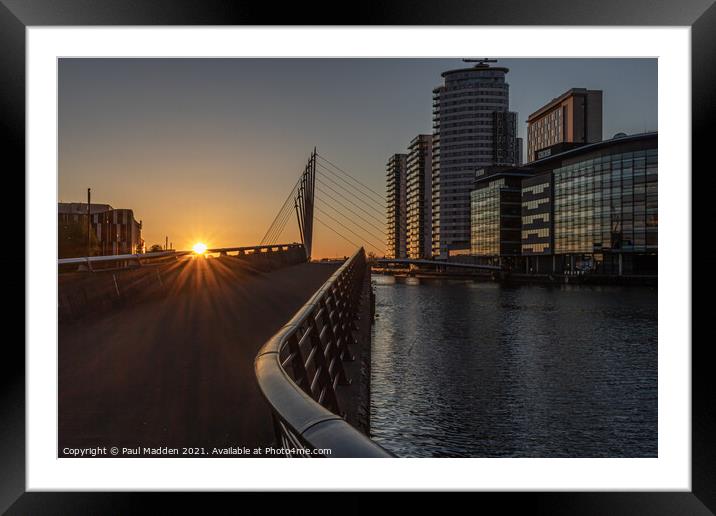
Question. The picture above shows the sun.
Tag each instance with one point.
(199, 248)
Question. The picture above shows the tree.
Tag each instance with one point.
(156, 248)
(72, 239)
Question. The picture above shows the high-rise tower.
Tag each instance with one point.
(472, 129)
(419, 209)
(396, 175)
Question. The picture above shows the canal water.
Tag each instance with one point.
(477, 369)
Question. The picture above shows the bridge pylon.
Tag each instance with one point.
(304, 202)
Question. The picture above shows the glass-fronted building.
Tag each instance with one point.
(593, 208)
(537, 243)
(606, 207)
(495, 211)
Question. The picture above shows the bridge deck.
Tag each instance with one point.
(178, 371)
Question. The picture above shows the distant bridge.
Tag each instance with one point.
(437, 263)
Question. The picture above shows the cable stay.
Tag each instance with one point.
(354, 204)
(349, 221)
(271, 228)
(358, 202)
(349, 229)
(358, 197)
(364, 193)
(280, 227)
(336, 232)
(349, 209)
(348, 196)
(380, 196)
(354, 188)
(361, 208)
(280, 224)
(300, 200)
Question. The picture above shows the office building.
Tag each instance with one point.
(116, 230)
(472, 128)
(606, 206)
(496, 215)
(537, 222)
(396, 197)
(573, 118)
(507, 146)
(419, 207)
(592, 208)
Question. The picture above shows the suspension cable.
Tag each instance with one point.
(271, 227)
(353, 212)
(281, 226)
(349, 229)
(382, 214)
(351, 221)
(349, 175)
(401, 225)
(361, 197)
(368, 197)
(336, 232)
(271, 236)
(382, 211)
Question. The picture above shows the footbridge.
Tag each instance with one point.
(435, 263)
(232, 349)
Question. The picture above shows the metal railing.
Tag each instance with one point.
(139, 259)
(300, 367)
(254, 249)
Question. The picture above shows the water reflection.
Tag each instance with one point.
(482, 370)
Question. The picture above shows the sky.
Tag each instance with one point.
(208, 149)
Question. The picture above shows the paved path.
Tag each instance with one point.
(178, 371)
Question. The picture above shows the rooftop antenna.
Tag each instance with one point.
(480, 62)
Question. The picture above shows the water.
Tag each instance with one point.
(463, 369)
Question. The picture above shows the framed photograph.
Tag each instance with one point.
(423, 243)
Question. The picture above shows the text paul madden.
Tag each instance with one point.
(164, 451)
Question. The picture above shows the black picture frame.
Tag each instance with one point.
(16, 15)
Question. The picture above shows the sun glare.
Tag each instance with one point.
(199, 248)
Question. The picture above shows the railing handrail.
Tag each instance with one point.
(253, 248)
(309, 422)
(162, 254)
(118, 257)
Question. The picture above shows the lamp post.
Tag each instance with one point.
(89, 226)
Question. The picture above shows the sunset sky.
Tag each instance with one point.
(207, 149)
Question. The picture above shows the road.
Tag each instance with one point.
(178, 371)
